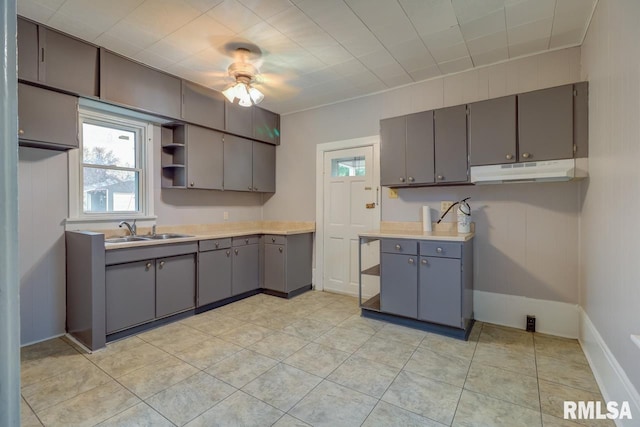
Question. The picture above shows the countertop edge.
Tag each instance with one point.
(427, 235)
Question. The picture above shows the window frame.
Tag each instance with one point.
(144, 158)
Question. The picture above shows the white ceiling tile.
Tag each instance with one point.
(267, 8)
(348, 68)
(99, 15)
(117, 44)
(360, 43)
(234, 15)
(397, 80)
(468, 10)
(152, 59)
(487, 43)
(529, 47)
(387, 20)
(262, 33)
(132, 35)
(330, 55)
(412, 55)
(36, 11)
(528, 32)
(490, 57)
(488, 24)
(160, 17)
(566, 38)
(74, 27)
(389, 70)
(297, 26)
(203, 5)
(425, 73)
(528, 11)
(569, 22)
(446, 45)
(456, 65)
(377, 59)
(430, 16)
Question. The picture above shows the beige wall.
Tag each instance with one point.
(527, 234)
(610, 278)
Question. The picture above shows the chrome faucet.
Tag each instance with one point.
(131, 227)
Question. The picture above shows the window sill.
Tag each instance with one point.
(107, 222)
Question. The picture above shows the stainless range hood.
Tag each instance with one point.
(543, 171)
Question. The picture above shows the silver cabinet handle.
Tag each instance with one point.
(161, 264)
(246, 241)
(398, 247)
(191, 184)
(255, 188)
(411, 261)
(228, 253)
(439, 250)
(250, 188)
(401, 179)
(21, 132)
(509, 156)
(273, 240)
(236, 251)
(526, 155)
(411, 179)
(424, 262)
(280, 250)
(440, 177)
(148, 265)
(217, 245)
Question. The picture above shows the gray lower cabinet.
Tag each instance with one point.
(450, 128)
(130, 294)
(245, 275)
(287, 262)
(249, 165)
(545, 124)
(399, 284)
(214, 271)
(175, 284)
(492, 131)
(46, 118)
(440, 291)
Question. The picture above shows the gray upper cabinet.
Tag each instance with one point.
(28, 51)
(202, 106)
(175, 284)
(57, 60)
(406, 150)
(129, 83)
(492, 131)
(204, 158)
(451, 144)
(264, 167)
(266, 126)
(238, 120)
(581, 119)
(545, 124)
(46, 118)
(130, 294)
(249, 165)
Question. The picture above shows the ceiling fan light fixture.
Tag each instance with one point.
(242, 90)
(256, 95)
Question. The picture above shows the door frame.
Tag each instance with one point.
(321, 149)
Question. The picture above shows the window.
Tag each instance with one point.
(108, 174)
(350, 166)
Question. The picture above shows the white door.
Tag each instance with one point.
(351, 191)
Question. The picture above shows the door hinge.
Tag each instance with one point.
(575, 92)
(575, 148)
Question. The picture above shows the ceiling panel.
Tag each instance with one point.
(319, 51)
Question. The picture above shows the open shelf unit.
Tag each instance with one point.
(369, 273)
(174, 156)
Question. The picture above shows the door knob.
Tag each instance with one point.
(161, 264)
(398, 247)
(439, 250)
(21, 132)
(411, 261)
(509, 156)
(250, 188)
(401, 179)
(191, 184)
(424, 262)
(526, 155)
(148, 266)
(228, 253)
(280, 250)
(440, 177)
(217, 244)
(246, 241)
(236, 251)
(273, 240)
(411, 179)
(255, 188)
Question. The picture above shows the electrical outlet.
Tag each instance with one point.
(393, 193)
(444, 205)
(225, 215)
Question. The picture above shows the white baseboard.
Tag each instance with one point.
(613, 381)
(552, 317)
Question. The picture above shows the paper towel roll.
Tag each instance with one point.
(426, 218)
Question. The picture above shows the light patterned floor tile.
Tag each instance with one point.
(505, 385)
(343, 339)
(553, 396)
(450, 346)
(208, 352)
(241, 368)
(332, 405)
(147, 381)
(571, 374)
(510, 338)
(479, 410)
(362, 324)
(307, 329)
(289, 421)
(317, 359)
(278, 345)
(127, 359)
(239, 409)
(387, 415)
(174, 338)
(140, 415)
(246, 334)
(505, 358)
(441, 367)
(401, 334)
(559, 348)
(365, 376)
(392, 353)
(27, 416)
(213, 325)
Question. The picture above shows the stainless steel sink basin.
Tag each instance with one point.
(125, 239)
(165, 236)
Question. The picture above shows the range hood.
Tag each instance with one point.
(543, 171)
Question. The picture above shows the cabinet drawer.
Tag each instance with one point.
(275, 239)
(441, 249)
(245, 240)
(399, 246)
(212, 245)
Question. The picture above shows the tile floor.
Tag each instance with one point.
(311, 360)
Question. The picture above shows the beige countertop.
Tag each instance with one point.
(213, 231)
(413, 230)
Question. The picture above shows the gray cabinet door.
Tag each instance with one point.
(393, 136)
(130, 294)
(202, 106)
(245, 276)
(69, 64)
(581, 119)
(28, 51)
(175, 284)
(47, 118)
(205, 158)
(264, 167)
(492, 131)
(238, 163)
(399, 284)
(129, 83)
(451, 144)
(545, 124)
(419, 148)
(238, 120)
(214, 276)
(275, 267)
(266, 125)
(440, 291)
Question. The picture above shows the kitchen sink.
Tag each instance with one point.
(165, 236)
(125, 239)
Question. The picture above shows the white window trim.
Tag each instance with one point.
(77, 218)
